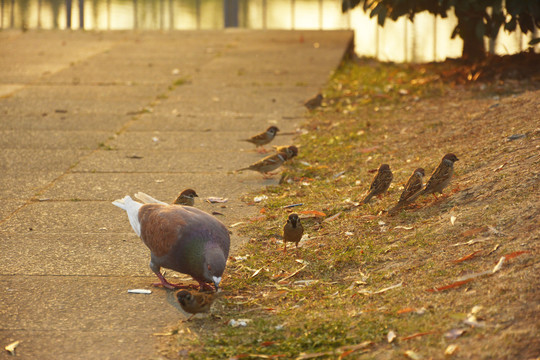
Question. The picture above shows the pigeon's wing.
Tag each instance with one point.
(160, 226)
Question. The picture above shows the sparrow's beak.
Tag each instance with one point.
(217, 280)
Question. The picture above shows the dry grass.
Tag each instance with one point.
(324, 296)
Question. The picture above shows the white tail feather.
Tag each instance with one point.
(132, 208)
(147, 199)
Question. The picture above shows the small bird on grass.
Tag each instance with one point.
(314, 102)
(292, 231)
(287, 150)
(441, 176)
(381, 182)
(180, 238)
(263, 138)
(412, 190)
(272, 162)
(195, 302)
(186, 197)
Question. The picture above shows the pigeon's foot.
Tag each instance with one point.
(164, 283)
(205, 287)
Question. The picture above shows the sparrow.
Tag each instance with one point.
(441, 176)
(412, 190)
(271, 162)
(314, 103)
(263, 138)
(381, 182)
(195, 302)
(186, 197)
(292, 231)
(286, 149)
(180, 238)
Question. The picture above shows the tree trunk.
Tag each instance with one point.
(473, 44)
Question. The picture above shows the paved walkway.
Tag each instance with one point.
(86, 118)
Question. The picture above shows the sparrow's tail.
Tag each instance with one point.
(242, 169)
(147, 199)
(367, 198)
(132, 209)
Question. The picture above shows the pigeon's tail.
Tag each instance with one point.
(147, 199)
(132, 209)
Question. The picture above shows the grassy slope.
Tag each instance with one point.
(408, 117)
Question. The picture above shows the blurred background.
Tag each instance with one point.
(427, 39)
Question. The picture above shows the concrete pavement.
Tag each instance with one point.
(86, 118)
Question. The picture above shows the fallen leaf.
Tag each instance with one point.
(367, 292)
(268, 343)
(515, 254)
(260, 198)
(450, 349)
(404, 227)
(450, 286)
(467, 257)
(391, 336)
(474, 231)
(368, 150)
(495, 248)
(236, 224)
(413, 355)
(453, 219)
(405, 310)
(454, 333)
(262, 211)
(313, 212)
(417, 335)
(256, 272)
(333, 217)
(11, 347)
(499, 265)
(213, 199)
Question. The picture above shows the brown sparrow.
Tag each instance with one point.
(412, 190)
(292, 231)
(287, 150)
(441, 176)
(314, 103)
(263, 138)
(195, 302)
(381, 182)
(271, 162)
(186, 197)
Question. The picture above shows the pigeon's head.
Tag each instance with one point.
(272, 130)
(293, 220)
(450, 157)
(214, 265)
(420, 171)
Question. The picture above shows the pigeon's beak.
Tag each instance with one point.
(217, 280)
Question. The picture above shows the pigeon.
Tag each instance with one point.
(381, 182)
(441, 176)
(412, 190)
(314, 102)
(292, 231)
(195, 302)
(272, 162)
(263, 138)
(186, 197)
(180, 238)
